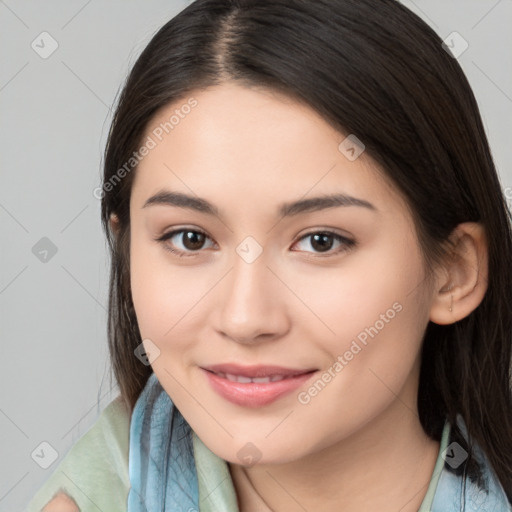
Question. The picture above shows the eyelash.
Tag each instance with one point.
(347, 242)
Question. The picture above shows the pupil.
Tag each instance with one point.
(322, 242)
(193, 240)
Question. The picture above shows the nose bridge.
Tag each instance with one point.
(250, 300)
(249, 281)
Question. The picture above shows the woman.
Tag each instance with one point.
(311, 272)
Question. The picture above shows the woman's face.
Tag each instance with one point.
(333, 294)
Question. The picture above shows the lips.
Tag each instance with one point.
(254, 386)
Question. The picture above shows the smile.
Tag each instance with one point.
(254, 386)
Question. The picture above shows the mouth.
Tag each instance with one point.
(254, 386)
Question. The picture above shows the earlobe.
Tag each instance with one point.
(114, 223)
(465, 276)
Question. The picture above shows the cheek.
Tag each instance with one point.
(372, 292)
(372, 357)
(379, 314)
(168, 299)
(373, 316)
(155, 288)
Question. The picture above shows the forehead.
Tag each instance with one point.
(231, 140)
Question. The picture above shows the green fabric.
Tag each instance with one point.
(94, 472)
(216, 491)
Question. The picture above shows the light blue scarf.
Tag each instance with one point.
(163, 475)
(161, 463)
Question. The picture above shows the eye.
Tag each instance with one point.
(323, 241)
(191, 240)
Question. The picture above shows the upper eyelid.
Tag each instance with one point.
(173, 232)
(331, 231)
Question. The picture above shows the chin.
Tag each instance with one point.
(256, 450)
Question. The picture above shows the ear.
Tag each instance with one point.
(462, 281)
(114, 223)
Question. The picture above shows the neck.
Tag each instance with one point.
(390, 456)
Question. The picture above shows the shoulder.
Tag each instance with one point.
(95, 468)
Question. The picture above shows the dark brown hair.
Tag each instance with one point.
(408, 100)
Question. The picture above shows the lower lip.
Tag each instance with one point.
(255, 394)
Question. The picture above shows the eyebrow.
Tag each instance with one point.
(181, 200)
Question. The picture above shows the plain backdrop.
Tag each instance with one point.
(55, 113)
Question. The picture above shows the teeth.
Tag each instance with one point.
(237, 378)
(246, 380)
(261, 379)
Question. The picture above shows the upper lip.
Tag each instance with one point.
(256, 370)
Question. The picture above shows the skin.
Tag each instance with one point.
(61, 503)
(248, 150)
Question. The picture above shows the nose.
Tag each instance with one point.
(252, 303)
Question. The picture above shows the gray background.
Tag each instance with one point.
(55, 114)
